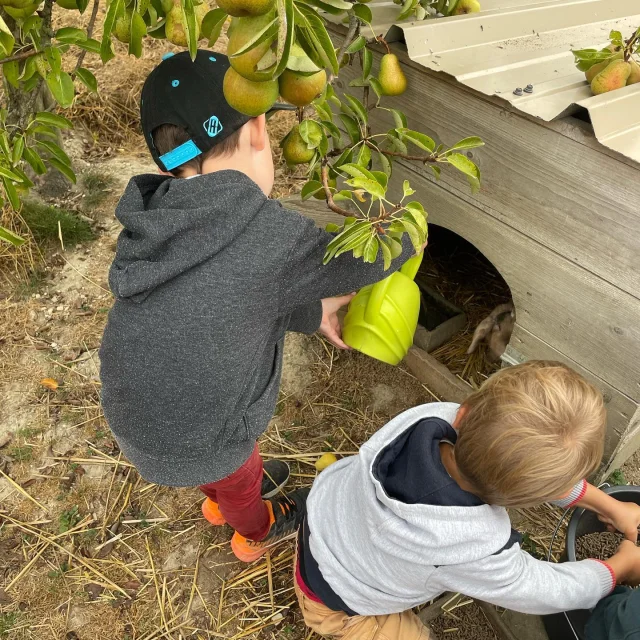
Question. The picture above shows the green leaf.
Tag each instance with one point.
(11, 193)
(9, 175)
(359, 43)
(367, 61)
(116, 7)
(343, 195)
(18, 149)
(394, 246)
(349, 233)
(10, 237)
(394, 143)
(190, 26)
(468, 143)
(35, 161)
(364, 156)
(82, 5)
(318, 36)
(311, 132)
(408, 8)
(212, 25)
(310, 189)
(29, 68)
(332, 227)
(285, 34)
(377, 88)
(371, 249)
(381, 177)
(88, 79)
(64, 169)
(357, 240)
(352, 127)
(363, 179)
(54, 58)
(299, 61)
(71, 35)
(90, 45)
(419, 139)
(356, 108)
(462, 163)
(363, 12)
(436, 171)
(406, 189)
(384, 163)
(6, 38)
(418, 215)
(11, 72)
(138, 32)
(53, 120)
(269, 32)
(417, 239)
(323, 110)
(334, 7)
(398, 117)
(616, 38)
(386, 253)
(32, 23)
(61, 87)
(55, 151)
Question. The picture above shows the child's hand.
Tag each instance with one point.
(626, 564)
(330, 325)
(625, 518)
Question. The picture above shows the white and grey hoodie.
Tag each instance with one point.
(381, 555)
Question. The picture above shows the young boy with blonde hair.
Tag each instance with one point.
(421, 509)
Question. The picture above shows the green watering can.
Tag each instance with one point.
(383, 317)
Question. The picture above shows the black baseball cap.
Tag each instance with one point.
(188, 93)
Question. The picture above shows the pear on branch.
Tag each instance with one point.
(613, 77)
(249, 97)
(301, 88)
(245, 8)
(241, 32)
(392, 80)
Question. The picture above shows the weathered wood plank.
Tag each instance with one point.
(587, 319)
(568, 196)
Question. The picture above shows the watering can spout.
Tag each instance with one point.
(412, 265)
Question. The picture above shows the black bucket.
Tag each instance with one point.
(570, 625)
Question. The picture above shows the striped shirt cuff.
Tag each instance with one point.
(606, 576)
(577, 493)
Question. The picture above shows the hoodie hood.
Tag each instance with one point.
(173, 224)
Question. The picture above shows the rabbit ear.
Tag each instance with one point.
(481, 332)
(500, 337)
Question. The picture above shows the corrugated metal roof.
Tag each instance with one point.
(513, 43)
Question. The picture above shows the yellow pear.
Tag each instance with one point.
(294, 148)
(325, 461)
(300, 89)
(174, 28)
(249, 97)
(591, 73)
(614, 77)
(244, 8)
(122, 29)
(466, 6)
(634, 76)
(241, 30)
(392, 80)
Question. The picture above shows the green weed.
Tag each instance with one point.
(617, 478)
(68, 519)
(8, 621)
(33, 284)
(46, 222)
(96, 186)
(21, 454)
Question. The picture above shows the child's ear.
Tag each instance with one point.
(462, 412)
(165, 173)
(259, 138)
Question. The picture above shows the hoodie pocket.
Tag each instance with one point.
(258, 413)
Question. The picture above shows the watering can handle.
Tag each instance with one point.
(411, 266)
(376, 298)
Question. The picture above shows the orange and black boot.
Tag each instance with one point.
(276, 475)
(286, 513)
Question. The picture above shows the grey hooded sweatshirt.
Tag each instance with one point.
(208, 275)
(380, 554)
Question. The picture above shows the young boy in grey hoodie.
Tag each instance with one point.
(208, 275)
(421, 509)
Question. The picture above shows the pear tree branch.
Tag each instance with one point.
(90, 26)
(352, 31)
(324, 174)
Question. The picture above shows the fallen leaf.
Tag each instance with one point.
(50, 383)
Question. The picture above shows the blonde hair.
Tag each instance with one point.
(530, 433)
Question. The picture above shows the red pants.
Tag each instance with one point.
(239, 498)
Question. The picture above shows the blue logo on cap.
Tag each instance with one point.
(212, 126)
(168, 55)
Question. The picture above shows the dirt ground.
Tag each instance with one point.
(88, 549)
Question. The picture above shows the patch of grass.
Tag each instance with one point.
(29, 432)
(21, 454)
(43, 221)
(7, 622)
(96, 186)
(68, 519)
(617, 478)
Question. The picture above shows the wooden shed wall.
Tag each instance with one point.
(558, 216)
